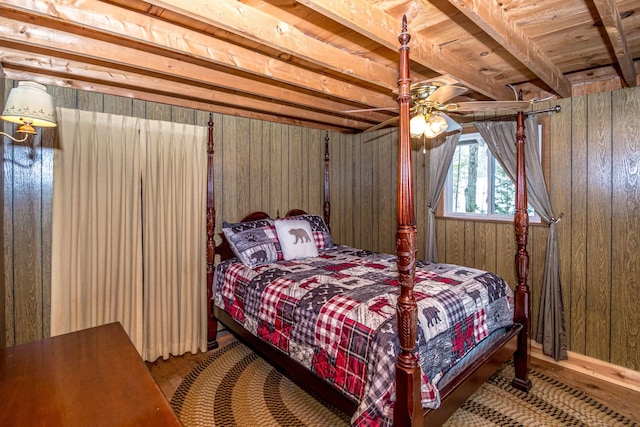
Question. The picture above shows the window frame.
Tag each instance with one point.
(445, 200)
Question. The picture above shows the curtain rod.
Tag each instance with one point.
(555, 109)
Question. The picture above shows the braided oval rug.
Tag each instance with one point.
(235, 387)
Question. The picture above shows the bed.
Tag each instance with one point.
(387, 338)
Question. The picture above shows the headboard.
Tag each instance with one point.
(224, 249)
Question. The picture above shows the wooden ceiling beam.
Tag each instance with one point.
(371, 21)
(71, 46)
(246, 21)
(140, 94)
(107, 21)
(490, 17)
(610, 15)
(69, 69)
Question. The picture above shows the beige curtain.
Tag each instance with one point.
(500, 137)
(128, 230)
(174, 200)
(96, 270)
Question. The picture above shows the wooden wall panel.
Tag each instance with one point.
(26, 219)
(559, 186)
(350, 191)
(598, 212)
(625, 286)
(256, 166)
(7, 322)
(266, 167)
(334, 179)
(421, 188)
(505, 252)
(442, 237)
(275, 168)
(376, 196)
(390, 189)
(286, 165)
(469, 257)
(315, 146)
(229, 193)
(8, 284)
(357, 185)
(242, 149)
(578, 254)
(124, 106)
(485, 243)
(455, 242)
(366, 194)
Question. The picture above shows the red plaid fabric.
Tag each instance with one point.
(234, 276)
(270, 300)
(318, 238)
(352, 359)
(330, 323)
(463, 338)
(480, 325)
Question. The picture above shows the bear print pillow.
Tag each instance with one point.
(296, 239)
(253, 242)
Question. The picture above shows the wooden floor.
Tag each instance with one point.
(169, 374)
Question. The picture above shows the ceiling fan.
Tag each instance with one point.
(429, 108)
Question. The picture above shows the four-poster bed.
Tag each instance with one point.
(508, 339)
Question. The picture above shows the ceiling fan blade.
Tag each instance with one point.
(452, 125)
(371, 109)
(383, 124)
(486, 106)
(445, 93)
(441, 80)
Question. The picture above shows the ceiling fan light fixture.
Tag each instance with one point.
(438, 124)
(429, 132)
(429, 125)
(417, 126)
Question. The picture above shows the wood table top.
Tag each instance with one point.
(93, 377)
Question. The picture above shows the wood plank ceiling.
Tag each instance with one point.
(306, 62)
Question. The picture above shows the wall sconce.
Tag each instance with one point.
(29, 104)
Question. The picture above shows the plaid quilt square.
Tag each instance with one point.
(331, 321)
(352, 359)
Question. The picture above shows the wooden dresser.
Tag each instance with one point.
(93, 377)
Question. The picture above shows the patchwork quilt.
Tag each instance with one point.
(335, 314)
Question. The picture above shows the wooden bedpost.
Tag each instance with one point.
(327, 202)
(408, 408)
(212, 323)
(521, 223)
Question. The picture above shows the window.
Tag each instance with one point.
(476, 184)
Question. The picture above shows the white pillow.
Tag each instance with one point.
(296, 239)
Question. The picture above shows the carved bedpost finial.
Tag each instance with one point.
(404, 38)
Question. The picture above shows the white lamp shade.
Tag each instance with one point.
(438, 124)
(30, 103)
(417, 126)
